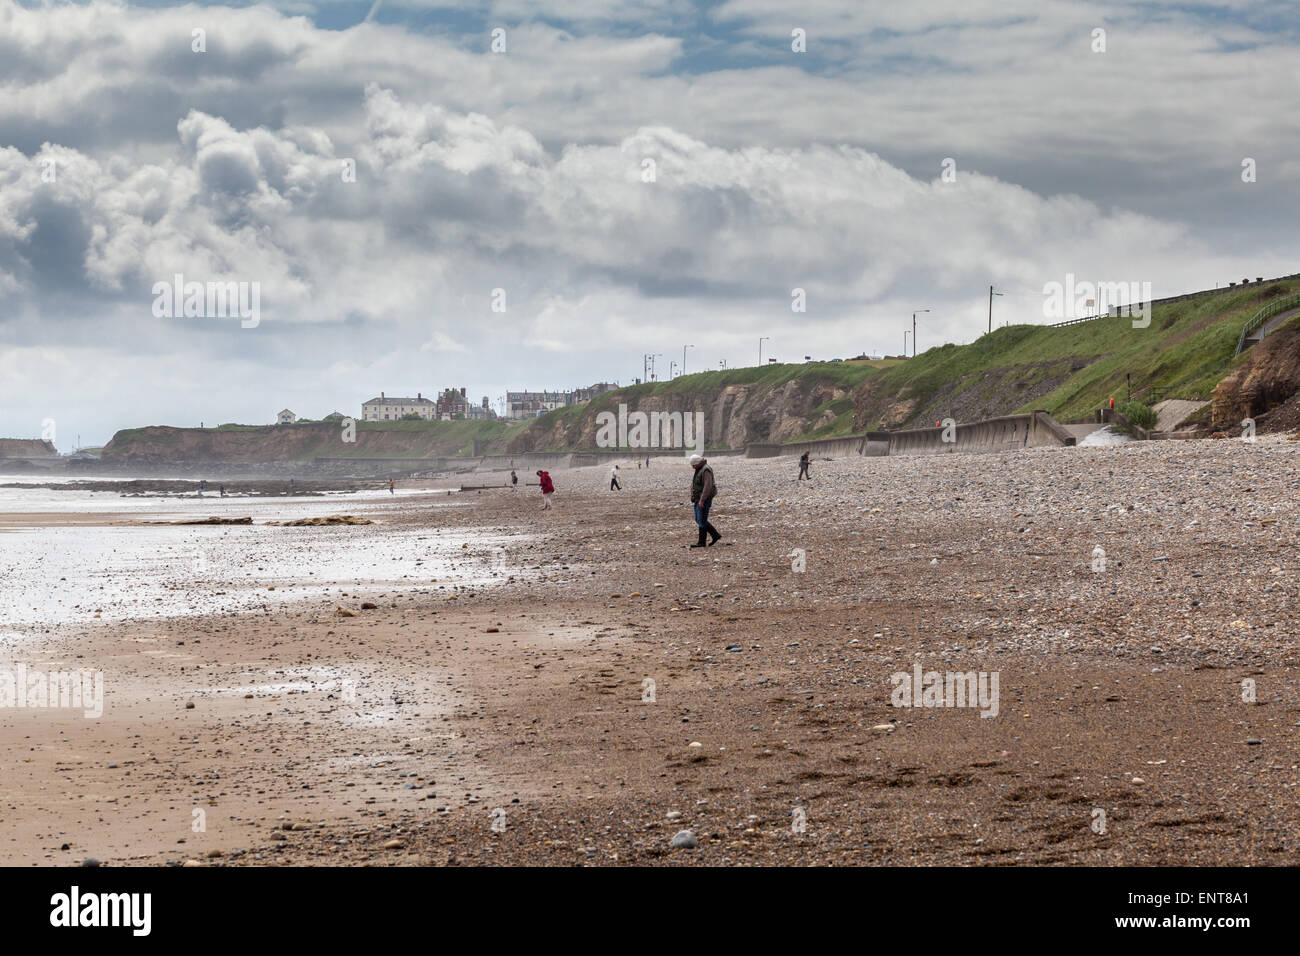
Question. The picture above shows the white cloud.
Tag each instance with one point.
(523, 171)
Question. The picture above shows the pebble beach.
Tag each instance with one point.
(482, 682)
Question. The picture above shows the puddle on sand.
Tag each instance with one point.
(56, 575)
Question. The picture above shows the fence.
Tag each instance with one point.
(1263, 315)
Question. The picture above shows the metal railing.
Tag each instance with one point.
(1263, 315)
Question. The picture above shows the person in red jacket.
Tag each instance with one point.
(548, 488)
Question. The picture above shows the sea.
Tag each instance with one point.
(60, 563)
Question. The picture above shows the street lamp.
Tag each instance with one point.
(684, 348)
(652, 362)
(760, 348)
(991, 295)
(671, 369)
(914, 315)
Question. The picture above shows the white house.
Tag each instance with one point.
(390, 409)
(286, 417)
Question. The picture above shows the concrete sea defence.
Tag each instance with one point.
(1032, 430)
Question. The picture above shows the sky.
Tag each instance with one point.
(536, 194)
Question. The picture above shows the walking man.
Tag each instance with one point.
(548, 488)
(391, 487)
(514, 480)
(613, 479)
(803, 468)
(703, 490)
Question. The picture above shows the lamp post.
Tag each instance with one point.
(760, 348)
(671, 369)
(652, 362)
(991, 295)
(914, 329)
(684, 348)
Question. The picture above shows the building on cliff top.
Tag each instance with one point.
(385, 409)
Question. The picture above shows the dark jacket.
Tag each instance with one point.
(702, 487)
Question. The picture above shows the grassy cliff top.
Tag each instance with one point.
(1183, 353)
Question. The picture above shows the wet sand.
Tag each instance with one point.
(390, 736)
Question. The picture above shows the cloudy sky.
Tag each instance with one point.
(633, 176)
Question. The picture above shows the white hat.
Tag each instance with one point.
(695, 458)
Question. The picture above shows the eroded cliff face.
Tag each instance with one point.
(159, 444)
(979, 395)
(1263, 387)
(734, 415)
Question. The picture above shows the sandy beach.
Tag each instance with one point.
(469, 680)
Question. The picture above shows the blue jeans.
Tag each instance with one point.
(702, 519)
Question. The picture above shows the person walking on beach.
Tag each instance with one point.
(803, 467)
(703, 490)
(391, 487)
(548, 488)
(613, 479)
(514, 480)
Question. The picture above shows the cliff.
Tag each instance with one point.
(300, 442)
(740, 406)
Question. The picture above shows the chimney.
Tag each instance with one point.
(381, 395)
(418, 396)
(462, 391)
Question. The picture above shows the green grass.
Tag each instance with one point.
(1184, 352)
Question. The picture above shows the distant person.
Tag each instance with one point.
(638, 464)
(803, 467)
(703, 490)
(613, 479)
(548, 488)
(514, 480)
(222, 489)
(392, 487)
(647, 461)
